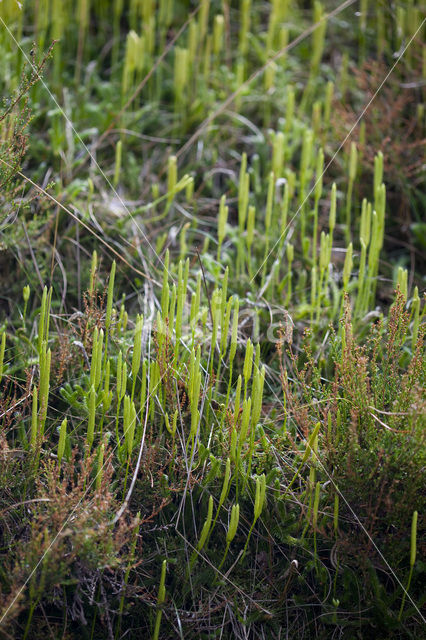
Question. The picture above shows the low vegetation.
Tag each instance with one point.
(212, 326)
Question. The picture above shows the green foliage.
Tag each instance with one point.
(211, 374)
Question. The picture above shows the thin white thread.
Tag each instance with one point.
(259, 72)
(85, 147)
(355, 516)
(150, 395)
(73, 511)
(338, 150)
(81, 222)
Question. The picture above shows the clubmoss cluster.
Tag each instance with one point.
(211, 345)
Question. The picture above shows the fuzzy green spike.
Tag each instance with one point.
(45, 359)
(361, 280)
(259, 503)
(160, 600)
(117, 167)
(110, 297)
(225, 484)
(91, 405)
(402, 281)
(342, 83)
(305, 175)
(181, 295)
(119, 374)
(260, 495)
(245, 422)
(171, 178)
(316, 118)
(284, 215)
(243, 186)
(329, 91)
(317, 196)
(62, 440)
(193, 37)
(347, 268)
(234, 333)
(378, 176)
(34, 421)
(257, 359)
(43, 326)
(206, 526)
(221, 227)
(225, 327)
(237, 399)
(93, 272)
(365, 227)
(137, 349)
(318, 38)
(244, 26)
(257, 395)
(268, 222)
(218, 35)
(248, 362)
(332, 215)
(172, 308)
(107, 394)
(352, 175)
(26, 297)
(224, 294)
(278, 154)
(143, 386)
(98, 365)
(324, 251)
(181, 77)
(94, 359)
(232, 530)
(233, 525)
(129, 423)
(269, 202)
(413, 550)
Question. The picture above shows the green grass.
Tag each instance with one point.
(212, 326)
